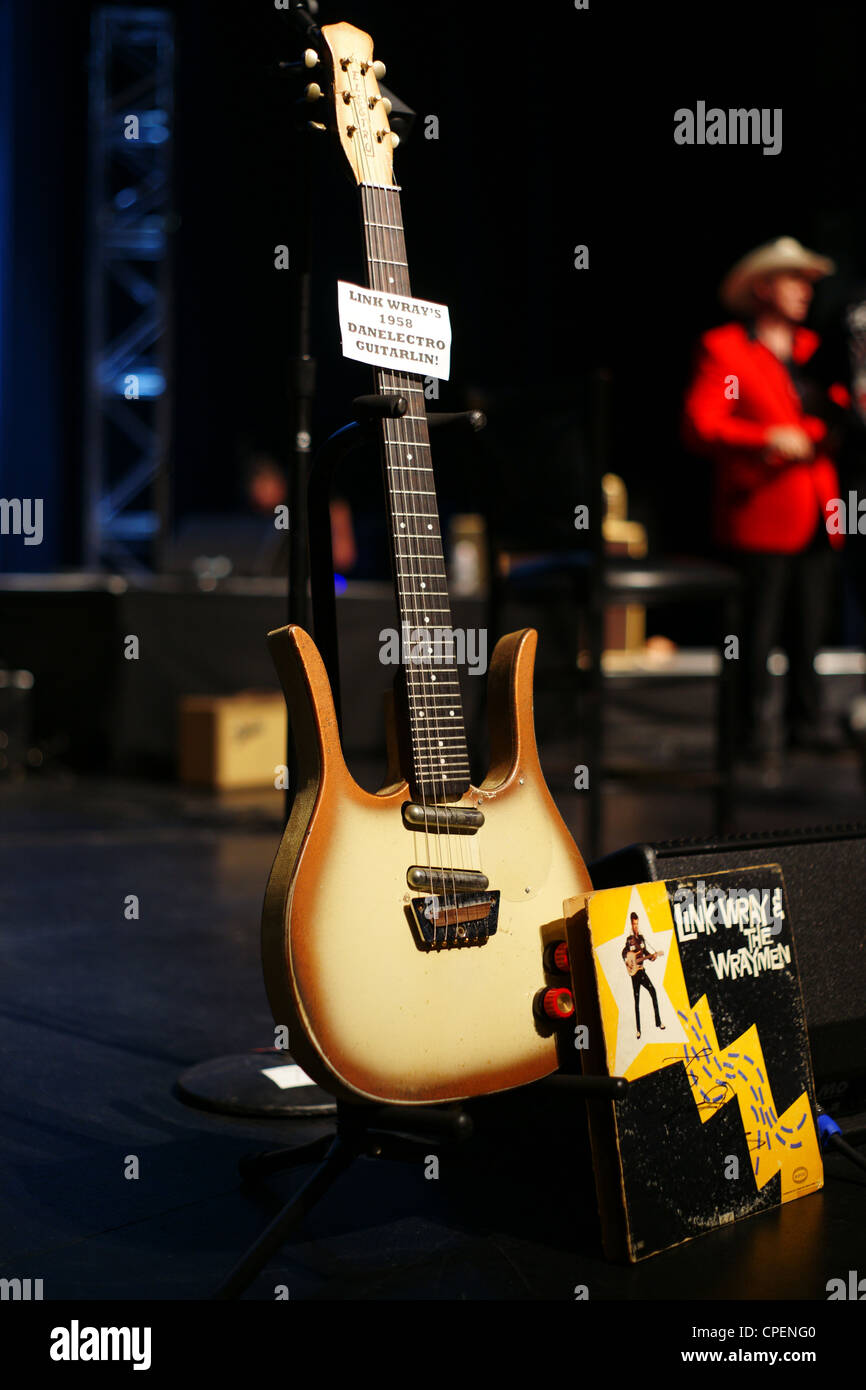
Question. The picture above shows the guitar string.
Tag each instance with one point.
(397, 245)
(384, 205)
(405, 565)
(375, 247)
(374, 228)
(429, 698)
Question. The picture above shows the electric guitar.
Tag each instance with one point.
(634, 960)
(406, 934)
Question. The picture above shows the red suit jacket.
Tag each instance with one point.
(760, 504)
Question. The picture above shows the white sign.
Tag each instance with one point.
(390, 330)
(287, 1077)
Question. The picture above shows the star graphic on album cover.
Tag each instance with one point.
(640, 954)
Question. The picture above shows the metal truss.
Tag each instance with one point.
(129, 298)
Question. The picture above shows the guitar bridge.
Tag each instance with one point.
(455, 919)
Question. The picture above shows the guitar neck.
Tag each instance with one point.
(434, 711)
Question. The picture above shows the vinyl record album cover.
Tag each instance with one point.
(698, 1005)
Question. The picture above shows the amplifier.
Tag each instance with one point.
(825, 880)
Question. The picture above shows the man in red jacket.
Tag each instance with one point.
(755, 410)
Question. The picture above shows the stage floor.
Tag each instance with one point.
(99, 1015)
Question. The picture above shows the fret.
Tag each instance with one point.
(443, 783)
(450, 768)
(440, 713)
(431, 740)
(440, 672)
(447, 683)
(450, 753)
(452, 714)
(433, 772)
(439, 738)
(450, 759)
(425, 591)
(433, 750)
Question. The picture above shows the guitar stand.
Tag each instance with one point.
(362, 1130)
(368, 1131)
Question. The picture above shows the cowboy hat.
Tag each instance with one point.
(784, 254)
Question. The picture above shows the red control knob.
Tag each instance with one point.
(556, 958)
(557, 1004)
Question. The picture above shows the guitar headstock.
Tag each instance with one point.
(359, 113)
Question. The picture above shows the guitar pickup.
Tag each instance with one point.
(442, 820)
(444, 880)
(455, 919)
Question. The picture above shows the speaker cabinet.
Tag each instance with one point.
(825, 879)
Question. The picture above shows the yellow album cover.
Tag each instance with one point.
(700, 1009)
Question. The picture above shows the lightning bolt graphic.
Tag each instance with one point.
(785, 1142)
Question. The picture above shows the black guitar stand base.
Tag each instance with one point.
(363, 1131)
(369, 1131)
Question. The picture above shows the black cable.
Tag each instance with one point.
(830, 1136)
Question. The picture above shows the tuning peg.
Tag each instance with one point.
(316, 125)
(296, 68)
(313, 92)
(386, 106)
(379, 69)
(395, 139)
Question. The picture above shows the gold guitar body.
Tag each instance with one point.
(371, 1014)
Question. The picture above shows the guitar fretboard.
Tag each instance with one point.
(440, 762)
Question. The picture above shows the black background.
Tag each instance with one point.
(555, 129)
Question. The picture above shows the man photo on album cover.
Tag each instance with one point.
(635, 952)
